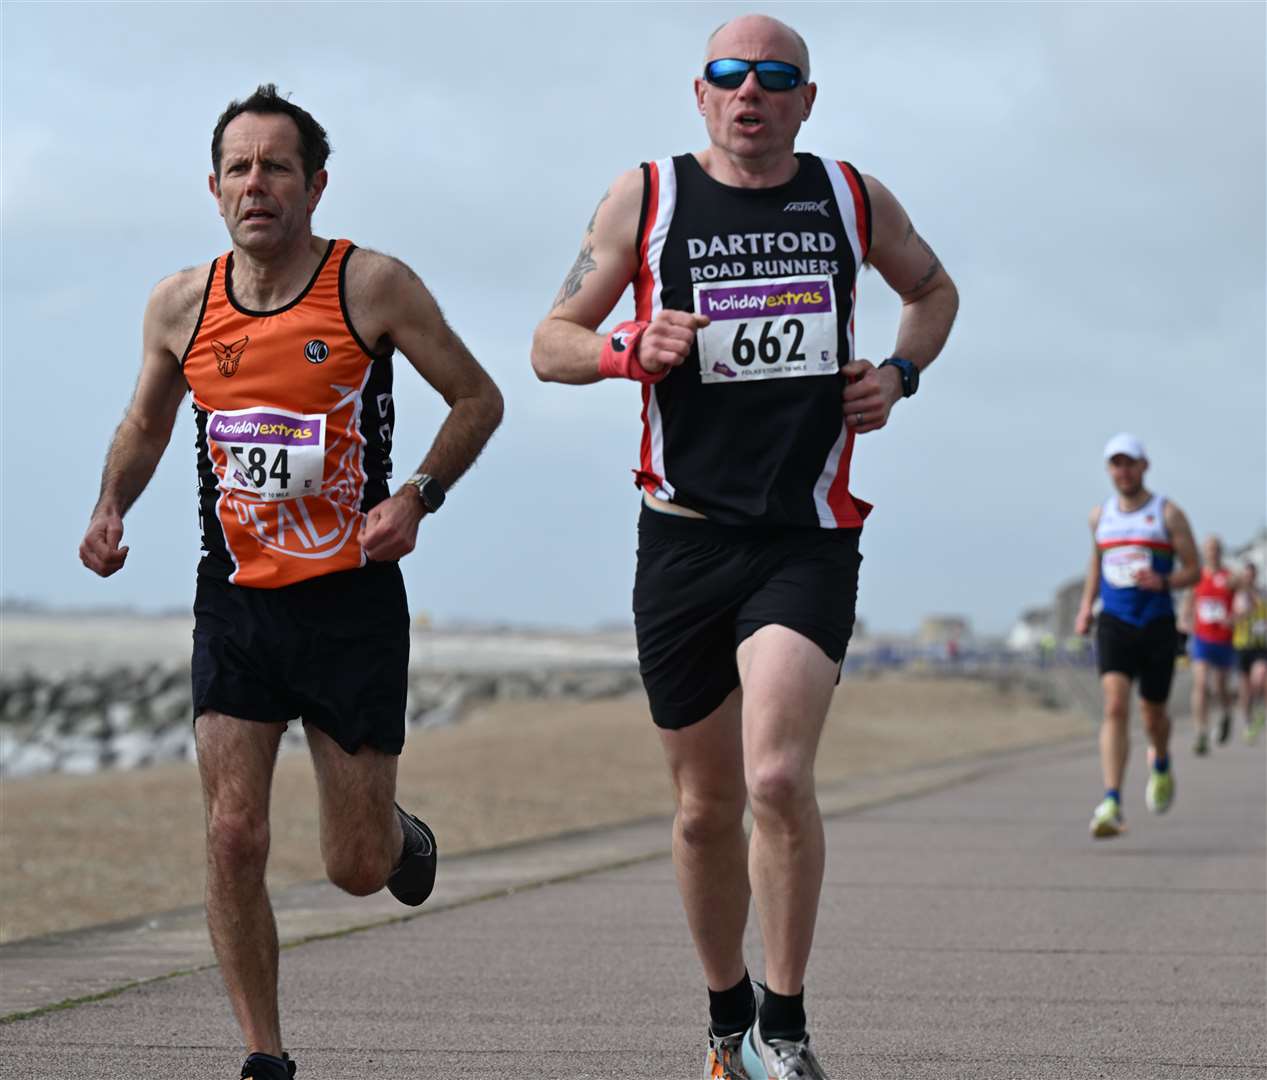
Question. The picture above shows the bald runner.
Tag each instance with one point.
(745, 259)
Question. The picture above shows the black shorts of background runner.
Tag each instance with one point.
(334, 650)
(701, 588)
(1247, 658)
(1146, 653)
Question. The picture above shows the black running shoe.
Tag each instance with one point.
(415, 875)
(1225, 728)
(266, 1067)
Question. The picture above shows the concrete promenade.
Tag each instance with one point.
(969, 929)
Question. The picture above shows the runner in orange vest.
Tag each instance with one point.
(286, 342)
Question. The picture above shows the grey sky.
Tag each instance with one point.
(1093, 176)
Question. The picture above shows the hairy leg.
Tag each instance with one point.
(787, 686)
(710, 851)
(235, 761)
(360, 833)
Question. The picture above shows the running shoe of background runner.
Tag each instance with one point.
(415, 875)
(1107, 821)
(1201, 746)
(1160, 792)
(724, 1061)
(1255, 727)
(259, 1067)
(778, 1059)
(1225, 728)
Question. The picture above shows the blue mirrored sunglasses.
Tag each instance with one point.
(730, 73)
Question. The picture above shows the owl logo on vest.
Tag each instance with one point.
(316, 351)
(229, 356)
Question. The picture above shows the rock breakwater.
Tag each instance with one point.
(128, 717)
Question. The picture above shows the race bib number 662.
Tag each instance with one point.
(769, 328)
(269, 452)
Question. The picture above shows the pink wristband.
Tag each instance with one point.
(620, 355)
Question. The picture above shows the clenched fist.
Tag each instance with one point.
(667, 342)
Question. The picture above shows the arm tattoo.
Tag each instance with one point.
(933, 266)
(589, 229)
(929, 274)
(572, 283)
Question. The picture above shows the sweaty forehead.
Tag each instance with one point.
(250, 133)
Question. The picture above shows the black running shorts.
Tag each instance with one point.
(1247, 658)
(333, 649)
(701, 588)
(1146, 653)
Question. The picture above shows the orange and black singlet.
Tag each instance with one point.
(294, 415)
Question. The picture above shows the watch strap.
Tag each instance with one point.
(908, 371)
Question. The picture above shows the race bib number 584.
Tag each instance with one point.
(771, 328)
(271, 453)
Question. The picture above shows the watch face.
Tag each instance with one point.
(909, 373)
(432, 492)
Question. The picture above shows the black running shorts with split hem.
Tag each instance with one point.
(333, 650)
(702, 588)
(1146, 653)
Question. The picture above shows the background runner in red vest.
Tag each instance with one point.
(744, 259)
(286, 342)
(1208, 610)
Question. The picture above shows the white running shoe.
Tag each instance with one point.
(1107, 821)
(778, 1059)
(1160, 792)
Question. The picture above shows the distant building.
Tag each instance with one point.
(1065, 607)
(1030, 629)
(942, 629)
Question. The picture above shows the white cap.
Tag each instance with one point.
(1122, 443)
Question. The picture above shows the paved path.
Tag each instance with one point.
(970, 931)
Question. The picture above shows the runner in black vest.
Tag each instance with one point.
(744, 259)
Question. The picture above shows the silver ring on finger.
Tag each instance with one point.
(857, 419)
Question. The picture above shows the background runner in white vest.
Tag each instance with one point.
(1135, 538)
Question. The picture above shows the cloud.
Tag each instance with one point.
(1092, 175)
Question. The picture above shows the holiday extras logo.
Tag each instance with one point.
(260, 427)
(779, 298)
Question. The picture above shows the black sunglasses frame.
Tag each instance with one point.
(761, 67)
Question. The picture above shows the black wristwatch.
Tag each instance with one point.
(429, 489)
(909, 372)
